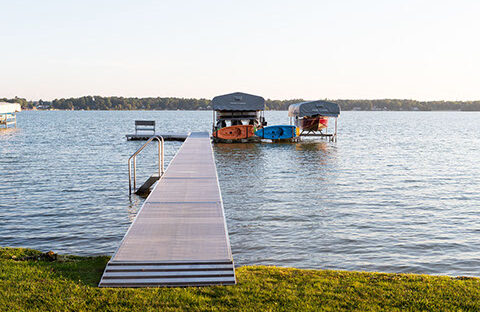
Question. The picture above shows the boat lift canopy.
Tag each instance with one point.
(9, 108)
(311, 108)
(238, 101)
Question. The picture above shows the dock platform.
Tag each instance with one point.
(166, 136)
(179, 236)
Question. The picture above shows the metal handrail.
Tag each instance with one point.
(161, 170)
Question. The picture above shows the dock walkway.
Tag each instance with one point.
(179, 236)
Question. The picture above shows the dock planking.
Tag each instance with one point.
(179, 236)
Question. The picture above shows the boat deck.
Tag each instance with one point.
(179, 237)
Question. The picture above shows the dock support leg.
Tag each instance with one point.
(335, 136)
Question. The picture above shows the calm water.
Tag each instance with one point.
(398, 192)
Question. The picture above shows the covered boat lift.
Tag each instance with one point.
(8, 113)
(237, 108)
(312, 118)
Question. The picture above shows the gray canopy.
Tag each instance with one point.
(238, 101)
(311, 108)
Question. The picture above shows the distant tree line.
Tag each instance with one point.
(407, 105)
(23, 103)
(388, 104)
(172, 103)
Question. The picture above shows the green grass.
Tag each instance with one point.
(28, 283)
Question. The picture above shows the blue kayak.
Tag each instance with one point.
(277, 132)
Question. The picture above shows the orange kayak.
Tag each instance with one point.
(234, 132)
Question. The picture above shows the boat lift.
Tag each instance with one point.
(312, 118)
(8, 113)
(236, 109)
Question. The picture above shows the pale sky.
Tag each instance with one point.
(424, 50)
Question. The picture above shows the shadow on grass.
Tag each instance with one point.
(84, 270)
(87, 271)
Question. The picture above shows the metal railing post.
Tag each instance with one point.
(161, 156)
(135, 172)
(129, 177)
(336, 120)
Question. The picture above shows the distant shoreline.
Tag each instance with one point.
(206, 110)
(173, 103)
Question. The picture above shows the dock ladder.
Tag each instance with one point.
(155, 177)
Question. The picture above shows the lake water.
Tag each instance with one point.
(398, 192)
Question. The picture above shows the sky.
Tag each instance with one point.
(370, 49)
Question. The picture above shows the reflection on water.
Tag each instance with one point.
(311, 146)
(271, 199)
(228, 147)
(377, 200)
(6, 132)
(135, 203)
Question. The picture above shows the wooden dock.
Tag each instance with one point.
(179, 236)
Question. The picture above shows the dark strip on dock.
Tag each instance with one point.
(165, 136)
(179, 236)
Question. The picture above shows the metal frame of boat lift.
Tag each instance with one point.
(8, 113)
(8, 119)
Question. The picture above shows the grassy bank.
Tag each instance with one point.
(32, 281)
